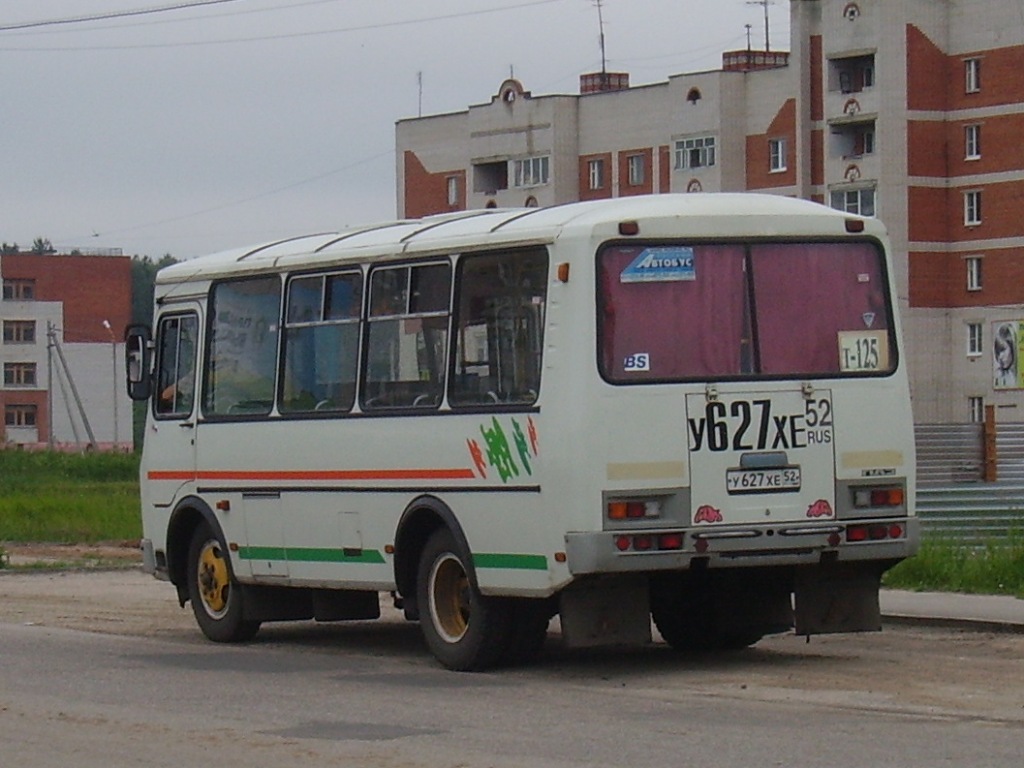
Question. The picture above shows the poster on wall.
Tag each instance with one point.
(1007, 338)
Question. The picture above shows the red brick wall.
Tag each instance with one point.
(1001, 81)
(927, 72)
(605, 190)
(664, 169)
(782, 126)
(92, 288)
(647, 187)
(940, 279)
(427, 193)
(927, 148)
(1001, 145)
(928, 215)
(817, 105)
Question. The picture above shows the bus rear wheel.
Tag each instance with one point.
(214, 594)
(465, 630)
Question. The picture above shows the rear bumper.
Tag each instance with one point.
(738, 547)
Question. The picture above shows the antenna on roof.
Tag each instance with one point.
(600, 24)
(765, 3)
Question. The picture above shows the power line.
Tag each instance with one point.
(286, 6)
(292, 35)
(111, 15)
(240, 201)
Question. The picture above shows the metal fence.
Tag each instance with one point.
(974, 513)
(952, 499)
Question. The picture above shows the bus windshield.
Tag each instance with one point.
(674, 312)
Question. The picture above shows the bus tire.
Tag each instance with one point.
(215, 596)
(686, 618)
(465, 631)
(530, 619)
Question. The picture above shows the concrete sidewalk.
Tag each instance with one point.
(995, 613)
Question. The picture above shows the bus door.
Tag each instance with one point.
(761, 457)
(171, 434)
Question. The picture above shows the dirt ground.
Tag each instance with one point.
(929, 671)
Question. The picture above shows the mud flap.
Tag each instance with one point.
(606, 612)
(830, 600)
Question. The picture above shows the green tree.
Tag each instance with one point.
(144, 271)
(41, 246)
(9, 248)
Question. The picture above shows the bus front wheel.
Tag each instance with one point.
(465, 630)
(215, 597)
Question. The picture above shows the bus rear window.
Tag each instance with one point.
(671, 312)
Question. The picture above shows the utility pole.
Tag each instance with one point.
(113, 374)
(764, 3)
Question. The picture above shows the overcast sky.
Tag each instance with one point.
(234, 122)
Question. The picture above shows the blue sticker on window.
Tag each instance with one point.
(660, 265)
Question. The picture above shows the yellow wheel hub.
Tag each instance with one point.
(214, 582)
(450, 596)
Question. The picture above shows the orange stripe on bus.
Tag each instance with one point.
(341, 474)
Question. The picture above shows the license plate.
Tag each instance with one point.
(772, 480)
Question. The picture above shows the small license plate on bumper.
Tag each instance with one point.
(768, 480)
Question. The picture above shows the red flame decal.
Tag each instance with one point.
(820, 508)
(707, 514)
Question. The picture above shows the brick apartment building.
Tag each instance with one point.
(86, 301)
(909, 110)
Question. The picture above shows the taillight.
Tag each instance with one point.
(633, 509)
(878, 497)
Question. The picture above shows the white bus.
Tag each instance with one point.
(686, 407)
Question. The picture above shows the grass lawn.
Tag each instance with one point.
(68, 498)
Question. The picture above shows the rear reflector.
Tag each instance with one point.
(647, 542)
(874, 532)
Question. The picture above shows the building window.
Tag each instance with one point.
(595, 172)
(776, 155)
(697, 152)
(972, 142)
(19, 374)
(974, 339)
(859, 201)
(453, 190)
(973, 273)
(635, 167)
(20, 415)
(972, 75)
(976, 409)
(972, 208)
(17, 289)
(531, 171)
(868, 75)
(867, 141)
(19, 331)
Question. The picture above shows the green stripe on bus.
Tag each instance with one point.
(516, 562)
(312, 555)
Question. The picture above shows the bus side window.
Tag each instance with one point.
(500, 329)
(321, 343)
(176, 366)
(407, 336)
(242, 359)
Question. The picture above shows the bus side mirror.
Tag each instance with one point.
(138, 359)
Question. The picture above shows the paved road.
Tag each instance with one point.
(143, 688)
